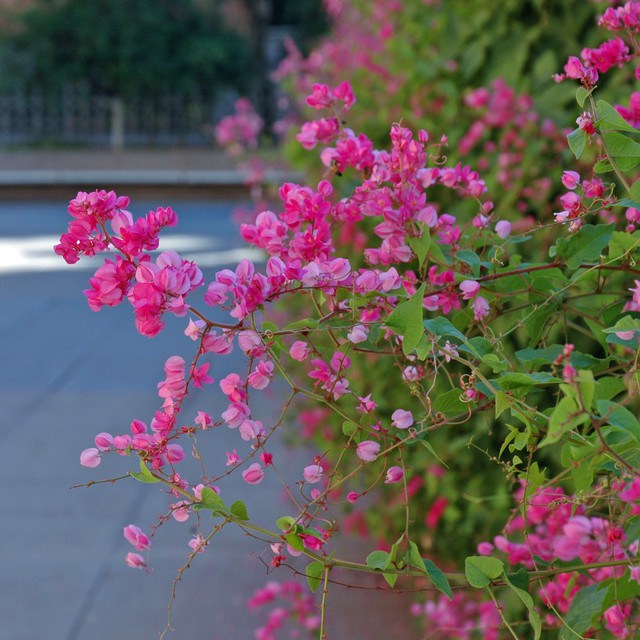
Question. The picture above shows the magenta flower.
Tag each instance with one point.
(394, 474)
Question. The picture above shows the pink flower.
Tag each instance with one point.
(480, 308)
(90, 457)
(394, 474)
(469, 289)
(368, 450)
(253, 474)
(180, 511)
(401, 419)
(136, 537)
(198, 544)
(503, 228)
(358, 334)
(135, 561)
(299, 351)
(570, 179)
(352, 496)
(104, 441)
(313, 473)
(260, 377)
(232, 458)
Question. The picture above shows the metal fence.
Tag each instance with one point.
(78, 117)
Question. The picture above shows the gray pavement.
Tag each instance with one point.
(67, 374)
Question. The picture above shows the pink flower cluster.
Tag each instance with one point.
(555, 528)
(461, 618)
(577, 201)
(294, 607)
(100, 222)
(239, 131)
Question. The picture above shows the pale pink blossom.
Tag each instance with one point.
(198, 544)
(368, 450)
(401, 419)
(136, 537)
(90, 457)
(503, 228)
(253, 474)
(135, 561)
(358, 334)
(299, 350)
(313, 473)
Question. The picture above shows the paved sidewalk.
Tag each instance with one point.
(193, 172)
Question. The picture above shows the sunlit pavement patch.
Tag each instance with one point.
(35, 253)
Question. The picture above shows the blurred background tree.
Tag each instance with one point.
(126, 47)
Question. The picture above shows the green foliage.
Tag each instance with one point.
(127, 47)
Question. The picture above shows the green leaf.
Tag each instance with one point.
(609, 387)
(481, 570)
(438, 578)
(314, 573)
(587, 385)
(566, 416)
(585, 609)
(581, 95)
(378, 560)
(429, 447)
(294, 541)
(623, 243)
(348, 428)
(582, 476)
(577, 140)
(420, 245)
(603, 166)
(609, 118)
(239, 510)
(516, 380)
(424, 348)
(585, 245)
(449, 403)
(285, 523)
(503, 402)
(382, 560)
(442, 328)
(634, 192)
(536, 357)
(624, 150)
(519, 579)
(536, 321)
(470, 258)
(211, 501)
(305, 323)
(145, 474)
(406, 319)
(496, 363)
(620, 417)
(527, 600)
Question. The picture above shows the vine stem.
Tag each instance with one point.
(499, 608)
(323, 604)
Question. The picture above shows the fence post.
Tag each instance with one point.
(117, 123)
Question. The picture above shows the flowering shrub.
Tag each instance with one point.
(467, 357)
